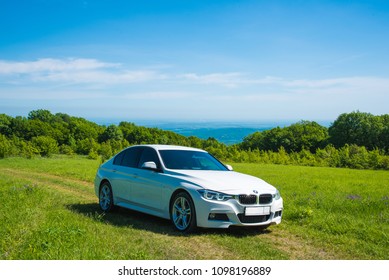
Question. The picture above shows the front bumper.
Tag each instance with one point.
(223, 214)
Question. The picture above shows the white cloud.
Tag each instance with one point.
(223, 79)
(30, 94)
(93, 83)
(99, 77)
(346, 85)
(52, 65)
(159, 96)
(95, 72)
(84, 71)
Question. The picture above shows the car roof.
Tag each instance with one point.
(170, 147)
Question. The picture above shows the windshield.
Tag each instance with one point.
(190, 160)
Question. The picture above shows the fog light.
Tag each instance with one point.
(277, 214)
(219, 217)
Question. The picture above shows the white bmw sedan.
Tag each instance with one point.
(188, 186)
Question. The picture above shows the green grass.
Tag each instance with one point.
(76, 167)
(339, 209)
(49, 211)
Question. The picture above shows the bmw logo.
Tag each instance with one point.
(255, 191)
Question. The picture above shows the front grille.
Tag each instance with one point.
(265, 198)
(247, 199)
(253, 219)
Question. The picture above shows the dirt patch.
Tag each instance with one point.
(49, 180)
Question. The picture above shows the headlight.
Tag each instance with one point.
(277, 195)
(212, 195)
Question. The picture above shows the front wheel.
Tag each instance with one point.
(183, 213)
(106, 197)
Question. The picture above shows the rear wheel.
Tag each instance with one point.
(106, 197)
(183, 213)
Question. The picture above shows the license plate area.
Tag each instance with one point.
(257, 211)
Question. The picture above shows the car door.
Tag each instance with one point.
(125, 174)
(147, 192)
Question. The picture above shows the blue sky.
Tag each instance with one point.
(194, 60)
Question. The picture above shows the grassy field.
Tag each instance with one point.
(48, 210)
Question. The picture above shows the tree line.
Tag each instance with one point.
(354, 140)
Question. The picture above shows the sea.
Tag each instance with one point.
(226, 132)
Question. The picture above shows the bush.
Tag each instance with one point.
(45, 145)
(66, 150)
(105, 151)
(93, 155)
(5, 147)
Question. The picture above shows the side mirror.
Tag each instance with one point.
(151, 165)
(229, 167)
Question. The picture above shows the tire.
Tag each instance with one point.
(183, 213)
(106, 197)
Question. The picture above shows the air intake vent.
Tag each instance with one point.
(253, 219)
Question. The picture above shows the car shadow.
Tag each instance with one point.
(122, 217)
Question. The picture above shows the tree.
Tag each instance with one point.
(362, 129)
(41, 114)
(5, 123)
(253, 141)
(294, 138)
(112, 132)
(384, 135)
(306, 135)
(83, 129)
(20, 127)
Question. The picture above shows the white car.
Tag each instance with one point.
(188, 186)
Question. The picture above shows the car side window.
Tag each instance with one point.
(149, 154)
(131, 157)
(118, 159)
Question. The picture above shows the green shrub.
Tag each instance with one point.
(45, 145)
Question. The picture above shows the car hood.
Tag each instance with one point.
(229, 182)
